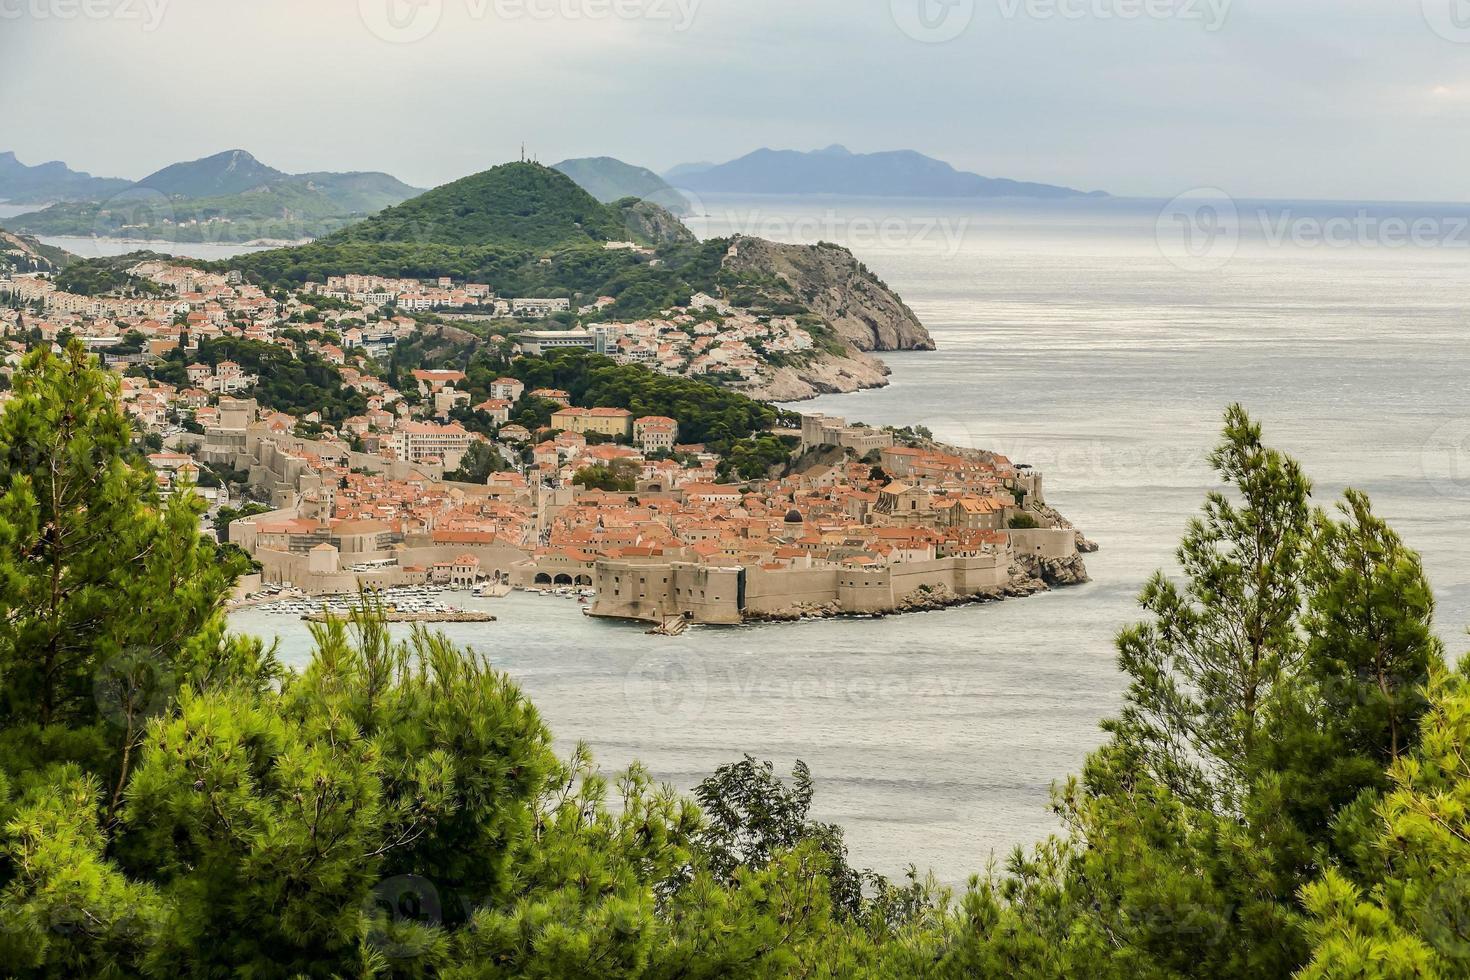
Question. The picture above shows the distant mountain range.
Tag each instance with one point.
(227, 197)
(54, 181)
(837, 170)
(611, 180)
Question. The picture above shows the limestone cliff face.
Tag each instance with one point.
(826, 375)
(650, 222)
(828, 280)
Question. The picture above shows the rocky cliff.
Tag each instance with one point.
(826, 374)
(22, 253)
(828, 280)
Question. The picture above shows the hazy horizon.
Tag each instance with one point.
(1291, 100)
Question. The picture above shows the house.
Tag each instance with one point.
(552, 395)
(446, 400)
(431, 381)
(497, 408)
(612, 422)
(420, 441)
(507, 389)
(461, 572)
(655, 433)
(514, 433)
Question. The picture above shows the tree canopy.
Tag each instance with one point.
(1284, 792)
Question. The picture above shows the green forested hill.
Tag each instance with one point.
(522, 205)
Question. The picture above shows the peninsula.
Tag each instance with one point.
(506, 381)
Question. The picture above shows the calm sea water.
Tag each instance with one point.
(1069, 338)
(96, 248)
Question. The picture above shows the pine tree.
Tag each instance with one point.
(108, 598)
(1412, 922)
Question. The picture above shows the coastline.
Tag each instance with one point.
(1029, 577)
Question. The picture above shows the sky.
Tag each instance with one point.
(1356, 100)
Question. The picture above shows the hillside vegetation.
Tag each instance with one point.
(1284, 791)
(516, 204)
(22, 253)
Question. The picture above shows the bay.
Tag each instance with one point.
(1080, 338)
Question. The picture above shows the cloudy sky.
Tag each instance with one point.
(1341, 99)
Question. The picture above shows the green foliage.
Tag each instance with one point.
(522, 205)
(297, 384)
(757, 457)
(1413, 918)
(708, 414)
(108, 277)
(1269, 691)
(1280, 795)
(618, 477)
(225, 515)
(105, 595)
(280, 207)
(478, 462)
(1022, 522)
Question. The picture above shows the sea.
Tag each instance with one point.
(1099, 341)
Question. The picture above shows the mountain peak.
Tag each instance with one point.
(521, 204)
(220, 175)
(837, 170)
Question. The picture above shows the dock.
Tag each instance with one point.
(394, 616)
(670, 627)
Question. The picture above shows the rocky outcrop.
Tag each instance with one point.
(651, 222)
(830, 282)
(1052, 571)
(22, 253)
(825, 375)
